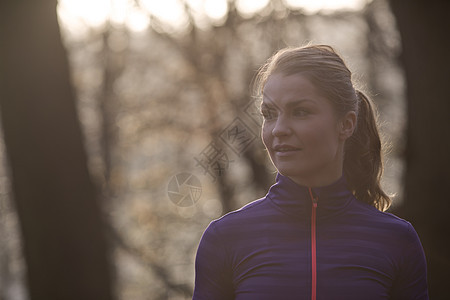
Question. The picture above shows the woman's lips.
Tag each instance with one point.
(285, 150)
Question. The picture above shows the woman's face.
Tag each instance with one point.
(304, 137)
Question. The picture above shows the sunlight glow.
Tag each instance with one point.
(137, 20)
(93, 13)
(248, 7)
(215, 9)
(81, 15)
(169, 11)
(314, 6)
(119, 12)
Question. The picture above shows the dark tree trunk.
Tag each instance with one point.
(64, 243)
(424, 28)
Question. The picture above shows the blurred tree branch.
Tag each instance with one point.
(160, 270)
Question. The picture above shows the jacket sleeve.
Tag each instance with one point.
(411, 283)
(212, 268)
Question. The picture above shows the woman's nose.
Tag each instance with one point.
(281, 127)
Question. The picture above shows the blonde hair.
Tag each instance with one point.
(328, 72)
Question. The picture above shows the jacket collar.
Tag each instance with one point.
(295, 199)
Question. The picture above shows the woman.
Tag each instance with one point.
(320, 232)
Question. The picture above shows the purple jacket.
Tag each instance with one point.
(300, 243)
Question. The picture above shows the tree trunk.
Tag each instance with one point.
(424, 27)
(60, 218)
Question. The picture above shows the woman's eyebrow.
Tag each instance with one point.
(289, 105)
(294, 103)
(268, 102)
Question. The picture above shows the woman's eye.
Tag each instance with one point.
(300, 112)
(268, 114)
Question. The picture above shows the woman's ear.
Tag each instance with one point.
(347, 125)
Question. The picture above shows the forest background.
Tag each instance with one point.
(94, 156)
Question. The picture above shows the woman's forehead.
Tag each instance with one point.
(289, 90)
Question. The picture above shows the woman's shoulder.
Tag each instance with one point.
(244, 212)
(389, 222)
(404, 227)
(246, 215)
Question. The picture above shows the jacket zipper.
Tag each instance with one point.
(313, 246)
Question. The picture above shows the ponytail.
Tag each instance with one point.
(363, 165)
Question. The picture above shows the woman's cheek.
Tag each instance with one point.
(265, 133)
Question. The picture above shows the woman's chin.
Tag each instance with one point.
(289, 171)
